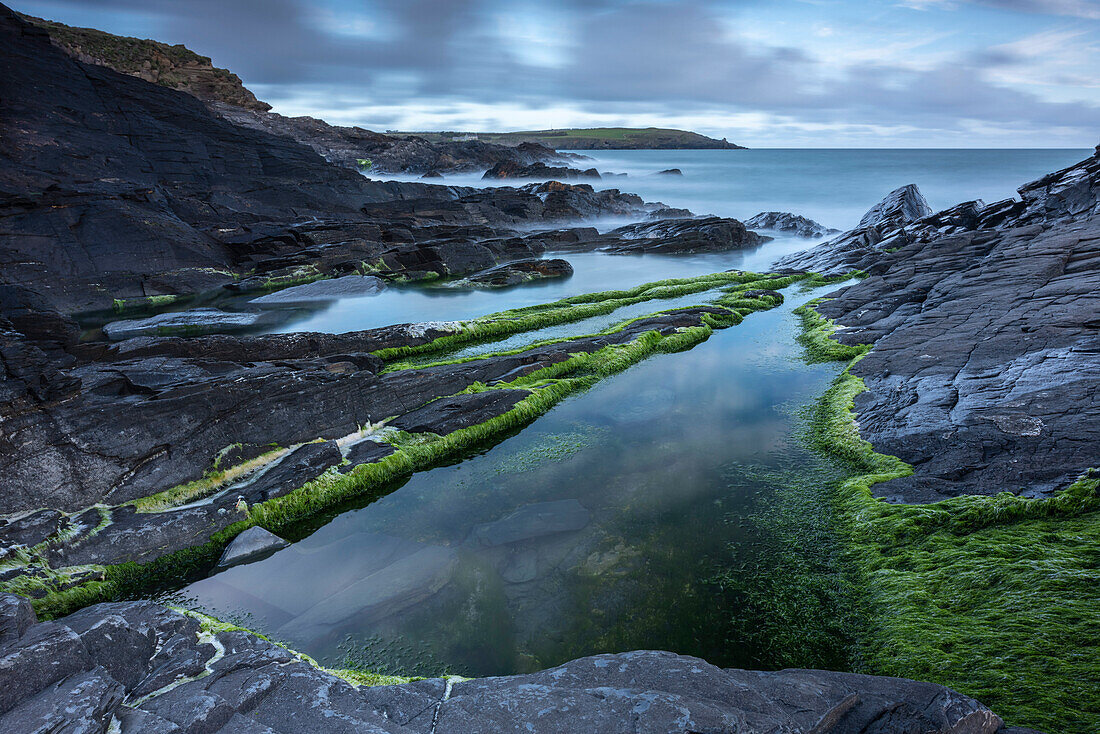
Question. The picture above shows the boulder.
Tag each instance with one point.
(901, 206)
(516, 273)
(253, 544)
(789, 223)
(670, 172)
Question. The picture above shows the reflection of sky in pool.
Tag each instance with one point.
(527, 554)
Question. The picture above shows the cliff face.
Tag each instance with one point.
(175, 67)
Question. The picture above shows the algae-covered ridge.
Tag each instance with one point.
(730, 297)
(996, 597)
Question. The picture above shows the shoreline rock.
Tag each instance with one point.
(154, 669)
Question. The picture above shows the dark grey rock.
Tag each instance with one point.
(235, 683)
(670, 172)
(79, 704)
(661, 692)
(901, 206)
(45, 654)
(516, 273)
(366, 452)
(253, 544)
(449, 414)
(301, 465)
(197, 321)
(349, 286)
(983, 373)
(16, 617)
(789, 223)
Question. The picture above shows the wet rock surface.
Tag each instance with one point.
(984, 373)
(516, 273)
(348, 286)
(663, 235)
(253, 544)
(197, 321)
(152, 669)
(515, 169)
(789, 223)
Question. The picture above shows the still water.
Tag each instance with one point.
(600, 527)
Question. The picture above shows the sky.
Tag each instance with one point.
(762, 73)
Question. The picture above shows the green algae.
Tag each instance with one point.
(995, 597)
(547, 387)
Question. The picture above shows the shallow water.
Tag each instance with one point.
(601, 526)
(593, 271)
(563, 540)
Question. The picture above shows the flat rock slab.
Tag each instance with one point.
(253, 544)
(184, 323)
(533, 521)
(449, 414)
(349, 286)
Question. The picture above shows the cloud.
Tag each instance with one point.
(1087, 9)
(450, 63)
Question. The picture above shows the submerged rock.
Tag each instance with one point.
(791, 223)
(533, 521)
(349, 286)
(670, 172)
(253, 544)
(185, 323)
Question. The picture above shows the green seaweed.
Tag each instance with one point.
(995, 597)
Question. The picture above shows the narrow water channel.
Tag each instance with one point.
(599, 528)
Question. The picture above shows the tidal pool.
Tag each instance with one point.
(598, 528)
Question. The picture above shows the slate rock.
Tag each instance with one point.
(80, 704)
(16, 617)
(449, 414)
(303, 464)
(349, 286)
(901, 206)
(196, 321)
(517, 272)
(789, 223)
(367, 452)
(254, 544)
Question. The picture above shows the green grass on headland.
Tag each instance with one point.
(606, 138)
(995, 597)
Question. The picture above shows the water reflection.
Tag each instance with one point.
(595, 529)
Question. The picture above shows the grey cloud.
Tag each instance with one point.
(662, 56)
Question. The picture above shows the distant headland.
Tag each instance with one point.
(592, 138)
